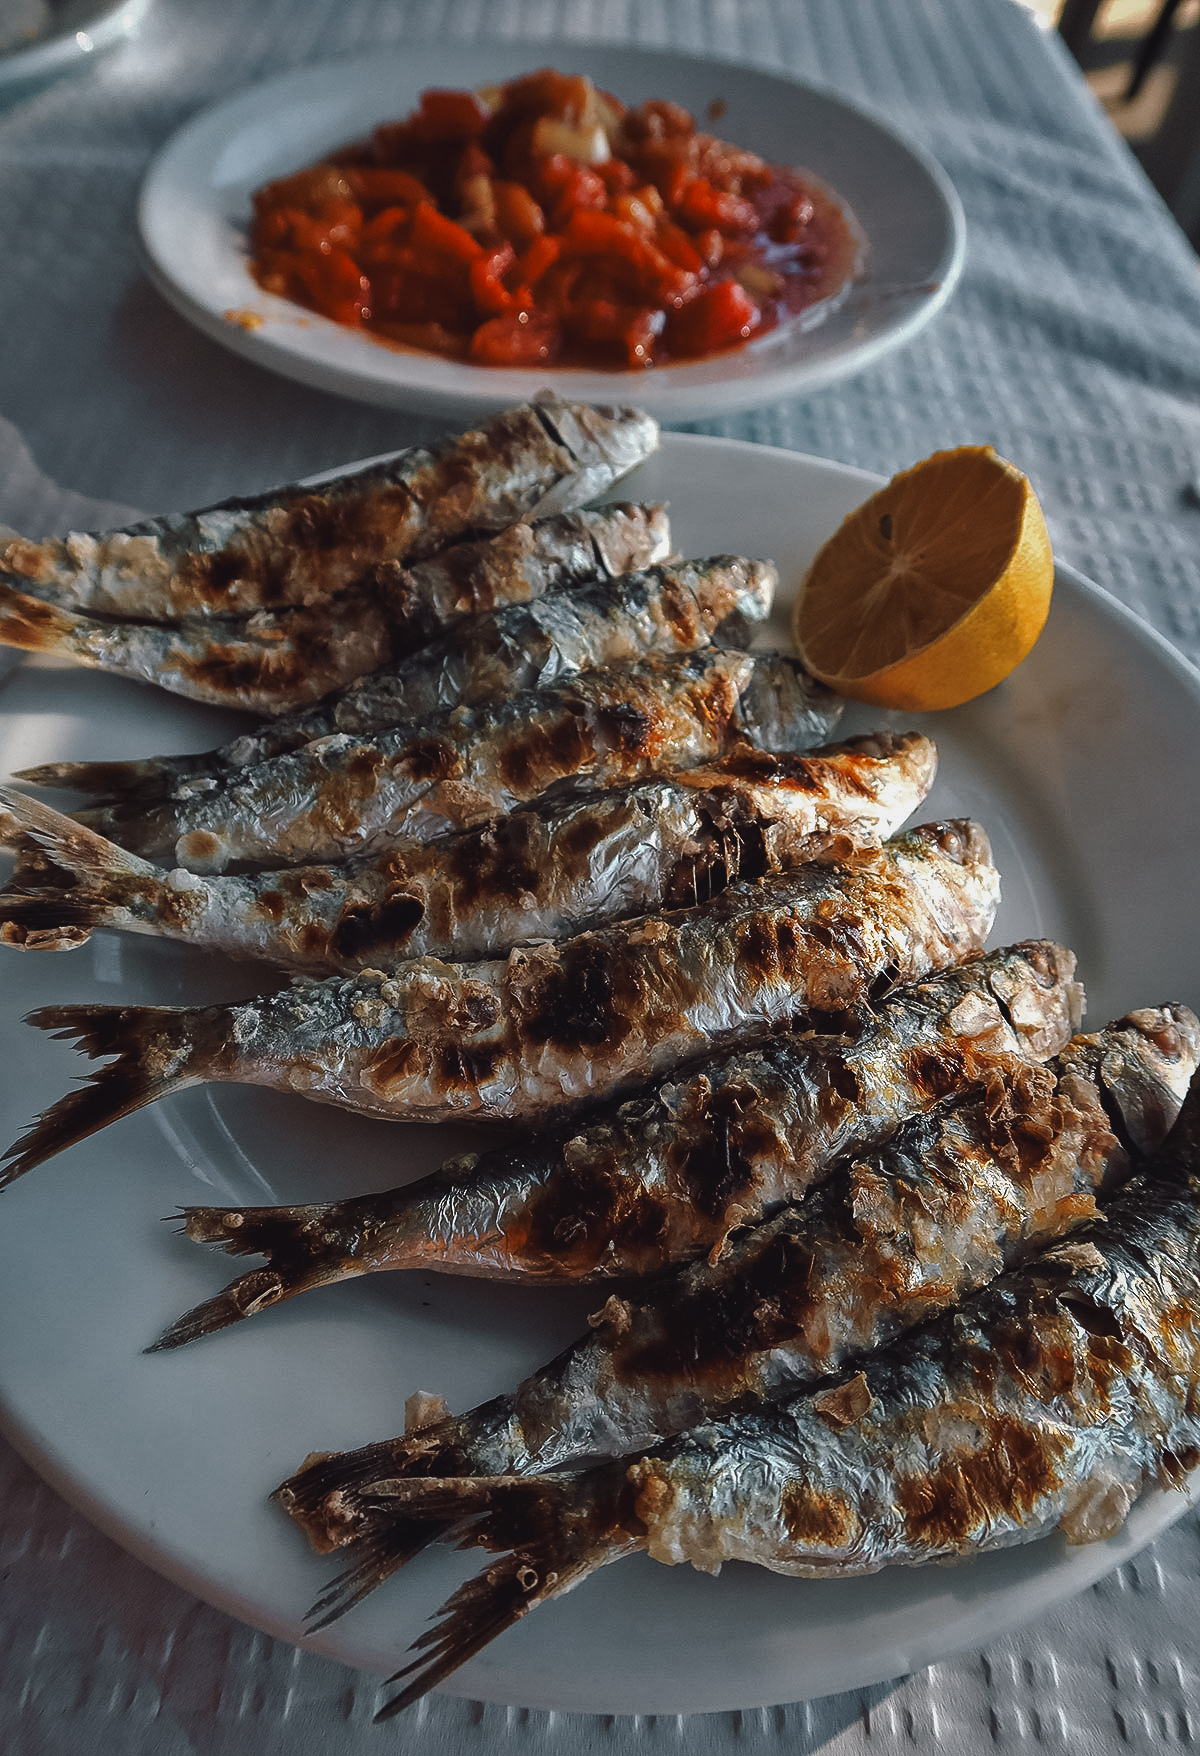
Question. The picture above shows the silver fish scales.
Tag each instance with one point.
(278, 661)
(555, 1027)
(345, 794)
(668, 1175)
(889, 1239)
(1050, 1400)
(297, 545)
(538, 874)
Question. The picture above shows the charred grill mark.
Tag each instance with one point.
(573, 1220)
(562, 746)
(271, 904)
(466, 1066)
(393, 1064)
(427, 759)
(495, 862)
(384, 926)
(971, 1490)
(709, 1338)
(575, 1004)
(624, 726)
(819, 1518)
(717, 1158)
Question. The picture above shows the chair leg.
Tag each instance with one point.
(1075, 25)
(1153, 44)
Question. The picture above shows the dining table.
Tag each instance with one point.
(1071, 344)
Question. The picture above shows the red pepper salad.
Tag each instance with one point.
(541, 222)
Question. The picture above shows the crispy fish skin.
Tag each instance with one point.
(1049, 1400)
(555, 1027)
(267, 664)
(297, 545)
(478, 580)
(890, 1239)
(519, 565)
(662, 610)
(347, 794)
(539, 874)
(668, 1175)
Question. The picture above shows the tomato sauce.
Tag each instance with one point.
(542, 223)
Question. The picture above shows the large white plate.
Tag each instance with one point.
(1082, 765)
(195, 206)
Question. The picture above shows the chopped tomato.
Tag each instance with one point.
(455, 231)
(720, 317)
(521, 338)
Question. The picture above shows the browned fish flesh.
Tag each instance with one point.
(539, 874)
(554, 1027)
(1049, 1400)
(348, 794)
(298, 545)
(471, 583)
(890, 1239)
(668, 1175)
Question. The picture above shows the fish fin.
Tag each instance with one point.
(382, 1551)
(71, 845)
(153, 778)
(245, 1297)
(303, 1247)
(49, 920)
(155, 1053)
(550, 1561)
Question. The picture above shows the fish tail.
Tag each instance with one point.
(158, 1050)
(153, 778)
(73, 847)
(32, 625)
(382, 1551)
(553, 1545)
(305, 1247)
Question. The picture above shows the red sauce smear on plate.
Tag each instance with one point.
(542, 223)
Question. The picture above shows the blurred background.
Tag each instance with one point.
(1142, 60)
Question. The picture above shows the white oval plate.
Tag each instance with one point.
(1081, 765)
(195, 205)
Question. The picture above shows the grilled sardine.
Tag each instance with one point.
(297, 545)
(555, 1027)
(539, 874)
(667, 1176)
(1049, 1400)
(345, 794)
(962, 1191)
(404, 615)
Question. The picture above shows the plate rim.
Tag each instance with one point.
(453, 387)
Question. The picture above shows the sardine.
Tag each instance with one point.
(962, 1191)
(669, 1175)
(270, 663)
(1050, 1400)
(555, 1027)
(348, 794)
(468, 580)
(298, 545)
(539, 874)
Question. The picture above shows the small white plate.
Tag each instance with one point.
(1082, 767)
(74, 31)
(195, 205)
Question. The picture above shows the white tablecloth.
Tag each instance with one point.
(1072, 344)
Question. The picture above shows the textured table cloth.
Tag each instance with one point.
(1072, 344)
